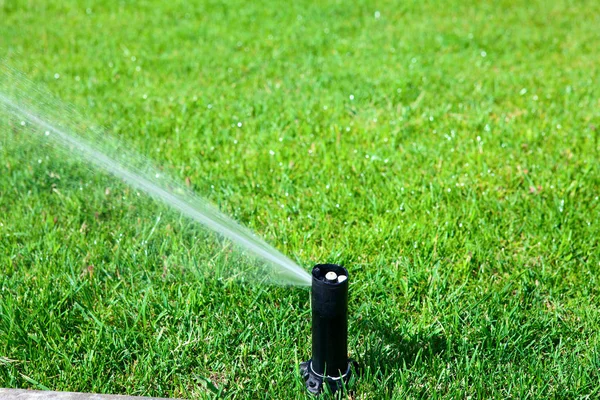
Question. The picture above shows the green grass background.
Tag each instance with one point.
(445, 152)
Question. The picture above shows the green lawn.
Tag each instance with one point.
(446, 153)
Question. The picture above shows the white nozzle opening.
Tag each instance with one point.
(341, 278)
(331, 276)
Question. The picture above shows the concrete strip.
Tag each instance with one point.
(19, 394)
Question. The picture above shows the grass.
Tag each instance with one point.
(446, 153)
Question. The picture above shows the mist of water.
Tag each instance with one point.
(51, 121)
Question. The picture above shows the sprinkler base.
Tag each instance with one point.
(314, 382)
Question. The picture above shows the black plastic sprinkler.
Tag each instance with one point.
(329, 301)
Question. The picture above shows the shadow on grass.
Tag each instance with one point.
(387, 348)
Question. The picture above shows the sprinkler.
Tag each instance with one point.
(329, 301)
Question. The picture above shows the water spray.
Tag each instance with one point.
(48, 121)
(329, 301)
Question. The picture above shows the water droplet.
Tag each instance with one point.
(47, 133)
(351, 97)
(22, 123)
(209, 106)
(377, 15)
(483, 54)
(271, 152)
(56, 76)
(239, 124)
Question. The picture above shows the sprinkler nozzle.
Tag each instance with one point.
(329, 302)
(331, 276)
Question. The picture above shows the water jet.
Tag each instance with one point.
(48, 121)
(329, 364)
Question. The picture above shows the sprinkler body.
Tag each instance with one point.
(329, 301)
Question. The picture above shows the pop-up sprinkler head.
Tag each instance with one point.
(329, 300)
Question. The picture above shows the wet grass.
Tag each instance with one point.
(446, 153)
